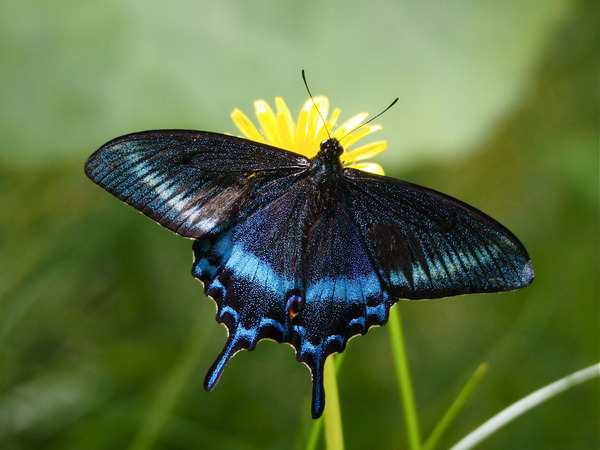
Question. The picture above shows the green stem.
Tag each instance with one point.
(455, 408)
(317, 425)
(315, 434)
(334, 438)
(404, 382)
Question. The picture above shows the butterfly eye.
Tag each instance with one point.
(337, 147)
(294, 304)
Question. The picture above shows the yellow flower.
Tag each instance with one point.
(306, 136)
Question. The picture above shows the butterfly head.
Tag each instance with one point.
(326, 165)
(331, 148)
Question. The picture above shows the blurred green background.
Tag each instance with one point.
(105, 336)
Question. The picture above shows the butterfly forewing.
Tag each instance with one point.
(428, 245)
(189, 181)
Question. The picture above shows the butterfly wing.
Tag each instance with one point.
(191, 182)
(254, 273)
(428, 245)
(295, 270)
(374, 239)
(343, 294)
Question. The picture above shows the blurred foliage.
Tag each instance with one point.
(105, 336)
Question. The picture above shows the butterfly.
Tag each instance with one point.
(302, 250)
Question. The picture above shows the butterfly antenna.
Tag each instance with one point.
(315, 103)
(370, 120)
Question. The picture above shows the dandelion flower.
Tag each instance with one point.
(305, 136)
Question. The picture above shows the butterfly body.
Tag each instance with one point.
(301, 250)
(326, 167)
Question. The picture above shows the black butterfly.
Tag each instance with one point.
(303, 250)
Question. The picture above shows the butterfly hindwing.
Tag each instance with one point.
(343, 293)
(191, 182)
(428, 245)
(293, 271)
(253, 270)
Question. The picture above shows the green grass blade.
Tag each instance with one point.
(404, 381)
(315, 432)
(525, 404)
(334, 437)
(455, 408)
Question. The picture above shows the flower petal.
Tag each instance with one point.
(350, 124)
(284, 116)
(246, 126)
(268, 122)
(369, 167)
(361, 132)
(334, 116)
(366, 152)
